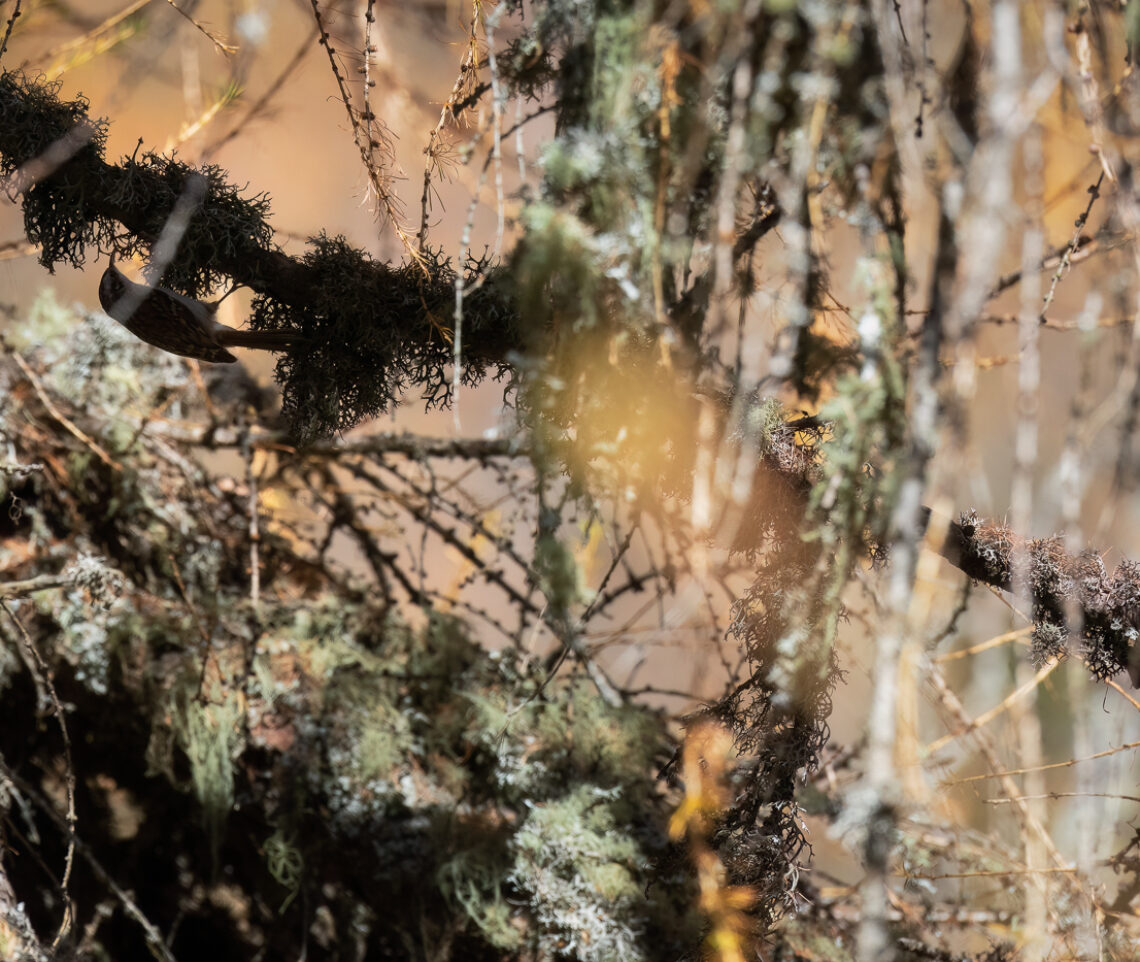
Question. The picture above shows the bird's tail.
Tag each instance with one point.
(261, 340)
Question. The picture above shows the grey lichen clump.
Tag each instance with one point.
(1071, 594)
(224, 222)
(59, 214)
(335, 760)
(453, 771)
(76, 200)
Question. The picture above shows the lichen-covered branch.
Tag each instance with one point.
(371, 330)
(1075, 598)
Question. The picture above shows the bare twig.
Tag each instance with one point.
(254, 529)
(223, 47)
(374, 144)
(1073, 246)
(15, 469)
(1067, 763)
(89, 38)
(20, 589)
(276, 85)
(67, 423)
(16, 10)
(31, 172)
(153, 936)
(68, 775)
(416, 446)
(464, 92)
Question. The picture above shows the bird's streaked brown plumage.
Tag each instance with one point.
(178, 324)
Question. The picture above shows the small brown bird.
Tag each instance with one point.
(179, 324)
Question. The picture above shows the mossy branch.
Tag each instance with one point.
(371, 329)
(1070, 593)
